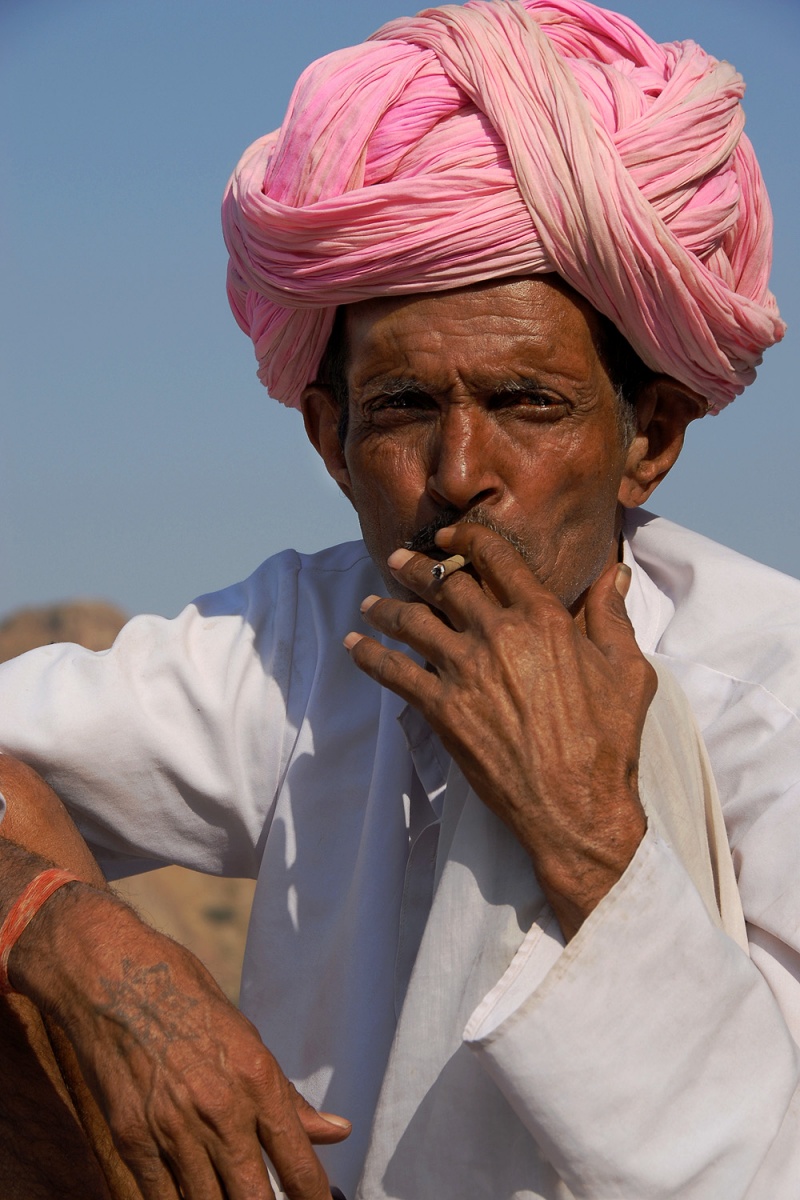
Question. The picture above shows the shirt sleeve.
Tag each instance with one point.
(651, 1057)
(170, 746)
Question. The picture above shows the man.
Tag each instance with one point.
(491, 932)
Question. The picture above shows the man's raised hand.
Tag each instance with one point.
(544, 722)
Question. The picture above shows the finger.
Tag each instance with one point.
(414, 624)
(465, 599)
(394, 670)
(155, 1180)
(280, 1131)
(243, 1177)
(494, 560)
(292, 1155)
(327, 1128)
(448, 595)
(282, 1135)
(609, 627)
(322, 1127)
(199, 1180)
(190, 1147)
(219, 1157)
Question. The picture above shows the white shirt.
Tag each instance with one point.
(650, 1058)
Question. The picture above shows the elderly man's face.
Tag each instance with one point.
(486, 404)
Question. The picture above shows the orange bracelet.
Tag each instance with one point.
(23, 910)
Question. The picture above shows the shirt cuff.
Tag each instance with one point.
(647, 1057)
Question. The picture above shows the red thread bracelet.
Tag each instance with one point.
(23, 910)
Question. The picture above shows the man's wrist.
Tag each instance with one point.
(57, 946)
(575, 880)
(33, 896)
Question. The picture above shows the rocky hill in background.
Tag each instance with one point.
(206, 914)
(90, 623)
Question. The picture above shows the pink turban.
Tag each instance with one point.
(507, 138)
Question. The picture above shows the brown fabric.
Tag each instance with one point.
(43, 1150)
(121, 1183)
(53, 1139)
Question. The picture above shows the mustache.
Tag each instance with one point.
(422, 542)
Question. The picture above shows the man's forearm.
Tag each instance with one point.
(37, 834)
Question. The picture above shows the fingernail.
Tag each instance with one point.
(368, 602)
(339, 1122)
(399, 558)
(622, 579)
(351, 640)
(443, 537)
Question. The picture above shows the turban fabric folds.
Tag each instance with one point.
(504, 138)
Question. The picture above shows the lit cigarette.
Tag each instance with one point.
(443, 569)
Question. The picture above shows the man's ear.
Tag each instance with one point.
(664, 409)
(321, 416)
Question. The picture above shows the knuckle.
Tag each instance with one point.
(264, 1074)
(552, 616)
(384, 667)
(490, 549)
(379, 614)
(502, 630)
(276, 1097)
(137, 1149)
(304, 1177)
(299, 1101)
(617, 614)
(649, 679)
(641, 678)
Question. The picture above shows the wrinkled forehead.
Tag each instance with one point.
(540, 315)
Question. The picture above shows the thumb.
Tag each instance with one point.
(609, 627)
(321, 1127)
(607, 622)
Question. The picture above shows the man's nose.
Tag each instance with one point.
(462, 469)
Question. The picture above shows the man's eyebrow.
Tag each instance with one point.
(393, 385)
(516, 384)
(564, 384)
(510, 385)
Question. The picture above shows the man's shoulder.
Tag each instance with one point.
(690, 566)
(306, 601)
(728, 612)
(340, 569)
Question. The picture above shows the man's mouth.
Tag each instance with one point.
(423, 540)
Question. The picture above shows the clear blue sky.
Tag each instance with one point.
(140, 460)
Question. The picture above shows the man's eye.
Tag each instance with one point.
(529, 399)
(403, 400)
